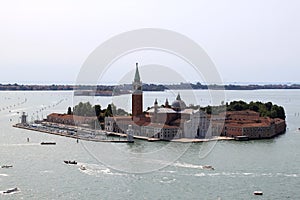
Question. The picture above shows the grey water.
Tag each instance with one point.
(145, 170)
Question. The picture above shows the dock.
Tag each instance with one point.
(71, 136)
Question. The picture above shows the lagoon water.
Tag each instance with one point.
(146, 170)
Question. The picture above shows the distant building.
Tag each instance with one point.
(249, 123)
(24, 118)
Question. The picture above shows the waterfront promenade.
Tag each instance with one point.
(91, 135)
(65, 134)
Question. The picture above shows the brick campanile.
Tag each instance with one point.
(137, 94)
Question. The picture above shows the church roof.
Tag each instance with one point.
(188, 111)
(178, 97)
(178, 104)
(161, 110)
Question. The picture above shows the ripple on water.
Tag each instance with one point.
(167, 180)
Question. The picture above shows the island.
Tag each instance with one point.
(171, 121)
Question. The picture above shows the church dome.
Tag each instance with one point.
(178, 104)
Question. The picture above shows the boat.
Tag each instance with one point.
(82, 167)
(258, 193)
(48, 143)
(11, 190)
(241, 138)
(70, 162)
(6, 166)
(208, 167)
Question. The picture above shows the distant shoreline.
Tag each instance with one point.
(111, 90)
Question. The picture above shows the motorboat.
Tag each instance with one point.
(11, 190)
(241, 138)
(48, 143)
(70, 162)
(82, 167)
(208, 167)
(6, 166)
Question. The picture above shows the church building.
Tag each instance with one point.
(165, 122)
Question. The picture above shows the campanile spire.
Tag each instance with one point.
(137, 74)
(137, 94)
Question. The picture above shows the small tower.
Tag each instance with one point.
(23, 118)
(129, 133)
(167, 103)
(155, 111)
(137, 94)
(155, 105)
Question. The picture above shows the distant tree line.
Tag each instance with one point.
(264, 109)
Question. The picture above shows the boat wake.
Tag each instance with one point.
(3, 174)
(187, 165)
(246, 174)
(98, 170)
(167, 180)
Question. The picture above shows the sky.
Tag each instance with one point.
(47, 42)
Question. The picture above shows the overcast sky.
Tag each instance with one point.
(248, 40)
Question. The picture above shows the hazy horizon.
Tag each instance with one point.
(112, 84)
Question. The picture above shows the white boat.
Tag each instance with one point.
(258, 193)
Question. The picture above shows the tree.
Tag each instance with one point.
(237, 107)
(273, 112)
(84, 109)
(113, 109)
(281, 113)
(264, 109)
(108, 111)
(121, 112)
(269, 106)
(253, 106)
(97, 110)
(69, 111)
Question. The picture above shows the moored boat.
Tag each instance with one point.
(48, 143)
(241, 138)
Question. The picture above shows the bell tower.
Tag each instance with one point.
(137, 94)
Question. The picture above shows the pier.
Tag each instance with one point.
(22, 126)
